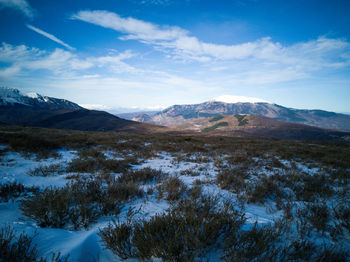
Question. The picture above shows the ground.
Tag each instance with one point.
(298, 189)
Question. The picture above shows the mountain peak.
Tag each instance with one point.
(34, 95)
(13, 97)
(10, 96)
(238, 99)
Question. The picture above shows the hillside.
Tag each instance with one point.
(42, 111)
(180, 113)
(258, 126)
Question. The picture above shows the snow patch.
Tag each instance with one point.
(239, 99)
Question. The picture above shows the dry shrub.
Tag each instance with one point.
(173, 187)
(78, 204)
(46, 170)
(20, 248)
(189, 231)
(145, 175)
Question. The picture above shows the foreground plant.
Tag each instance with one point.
(188, 231)
(21, 248)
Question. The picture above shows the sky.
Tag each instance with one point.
(149, 54)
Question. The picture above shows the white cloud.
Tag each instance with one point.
(239, 99)
(322, 52)
(21, 5)
(10, 53)
(50, 36)
(95, 106)
(134, 28)
(59, 61)
(10, 71)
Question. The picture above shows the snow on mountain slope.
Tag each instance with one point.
(12, 96)
(238, 99)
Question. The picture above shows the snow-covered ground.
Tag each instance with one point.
(85, 245)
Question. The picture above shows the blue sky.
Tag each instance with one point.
(155, 53)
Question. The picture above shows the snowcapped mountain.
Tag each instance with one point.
(42, 111)
(13, 97)
(229, 105)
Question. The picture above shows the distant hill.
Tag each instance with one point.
(258, 126)
(42, 111)
(180, 113)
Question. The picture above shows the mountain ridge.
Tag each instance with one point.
(43, 111)
(178, 114)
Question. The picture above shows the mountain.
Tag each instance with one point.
(42, 111)
(13, 97)
(180, 113)
(258, 126)
(142, 116)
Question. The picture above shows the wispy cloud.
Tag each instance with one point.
(21, 5)
(134, 28)
(10, 53)
(50, 36)
(95, 106)
(322, 52)
(61, 61)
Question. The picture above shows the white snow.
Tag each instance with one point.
(33, 95)
(10, 96)
(86, 245)
(14, 168)
(239, 99)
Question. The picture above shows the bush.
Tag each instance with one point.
(145, 175)
(173, 187)
(232, 179)
(14, 190)
(16, 249)
(91, 152)
(30, 143)
(118, 238)
(46, 170)
(342, 216)
(123, 191)
(255, 244)
(79, 203)
(21, 248)
(304, 250)
(316, 214)
(263, 189)
(92, 165)
(190, 230)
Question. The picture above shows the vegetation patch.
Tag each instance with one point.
(46, 170)
(188, 232)
(242, 121)
(306, 182)
(216, 118)
(79, 203)
(14, 190)
(21, 247)
(93, 165)
(215, 127)
(142, 176)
